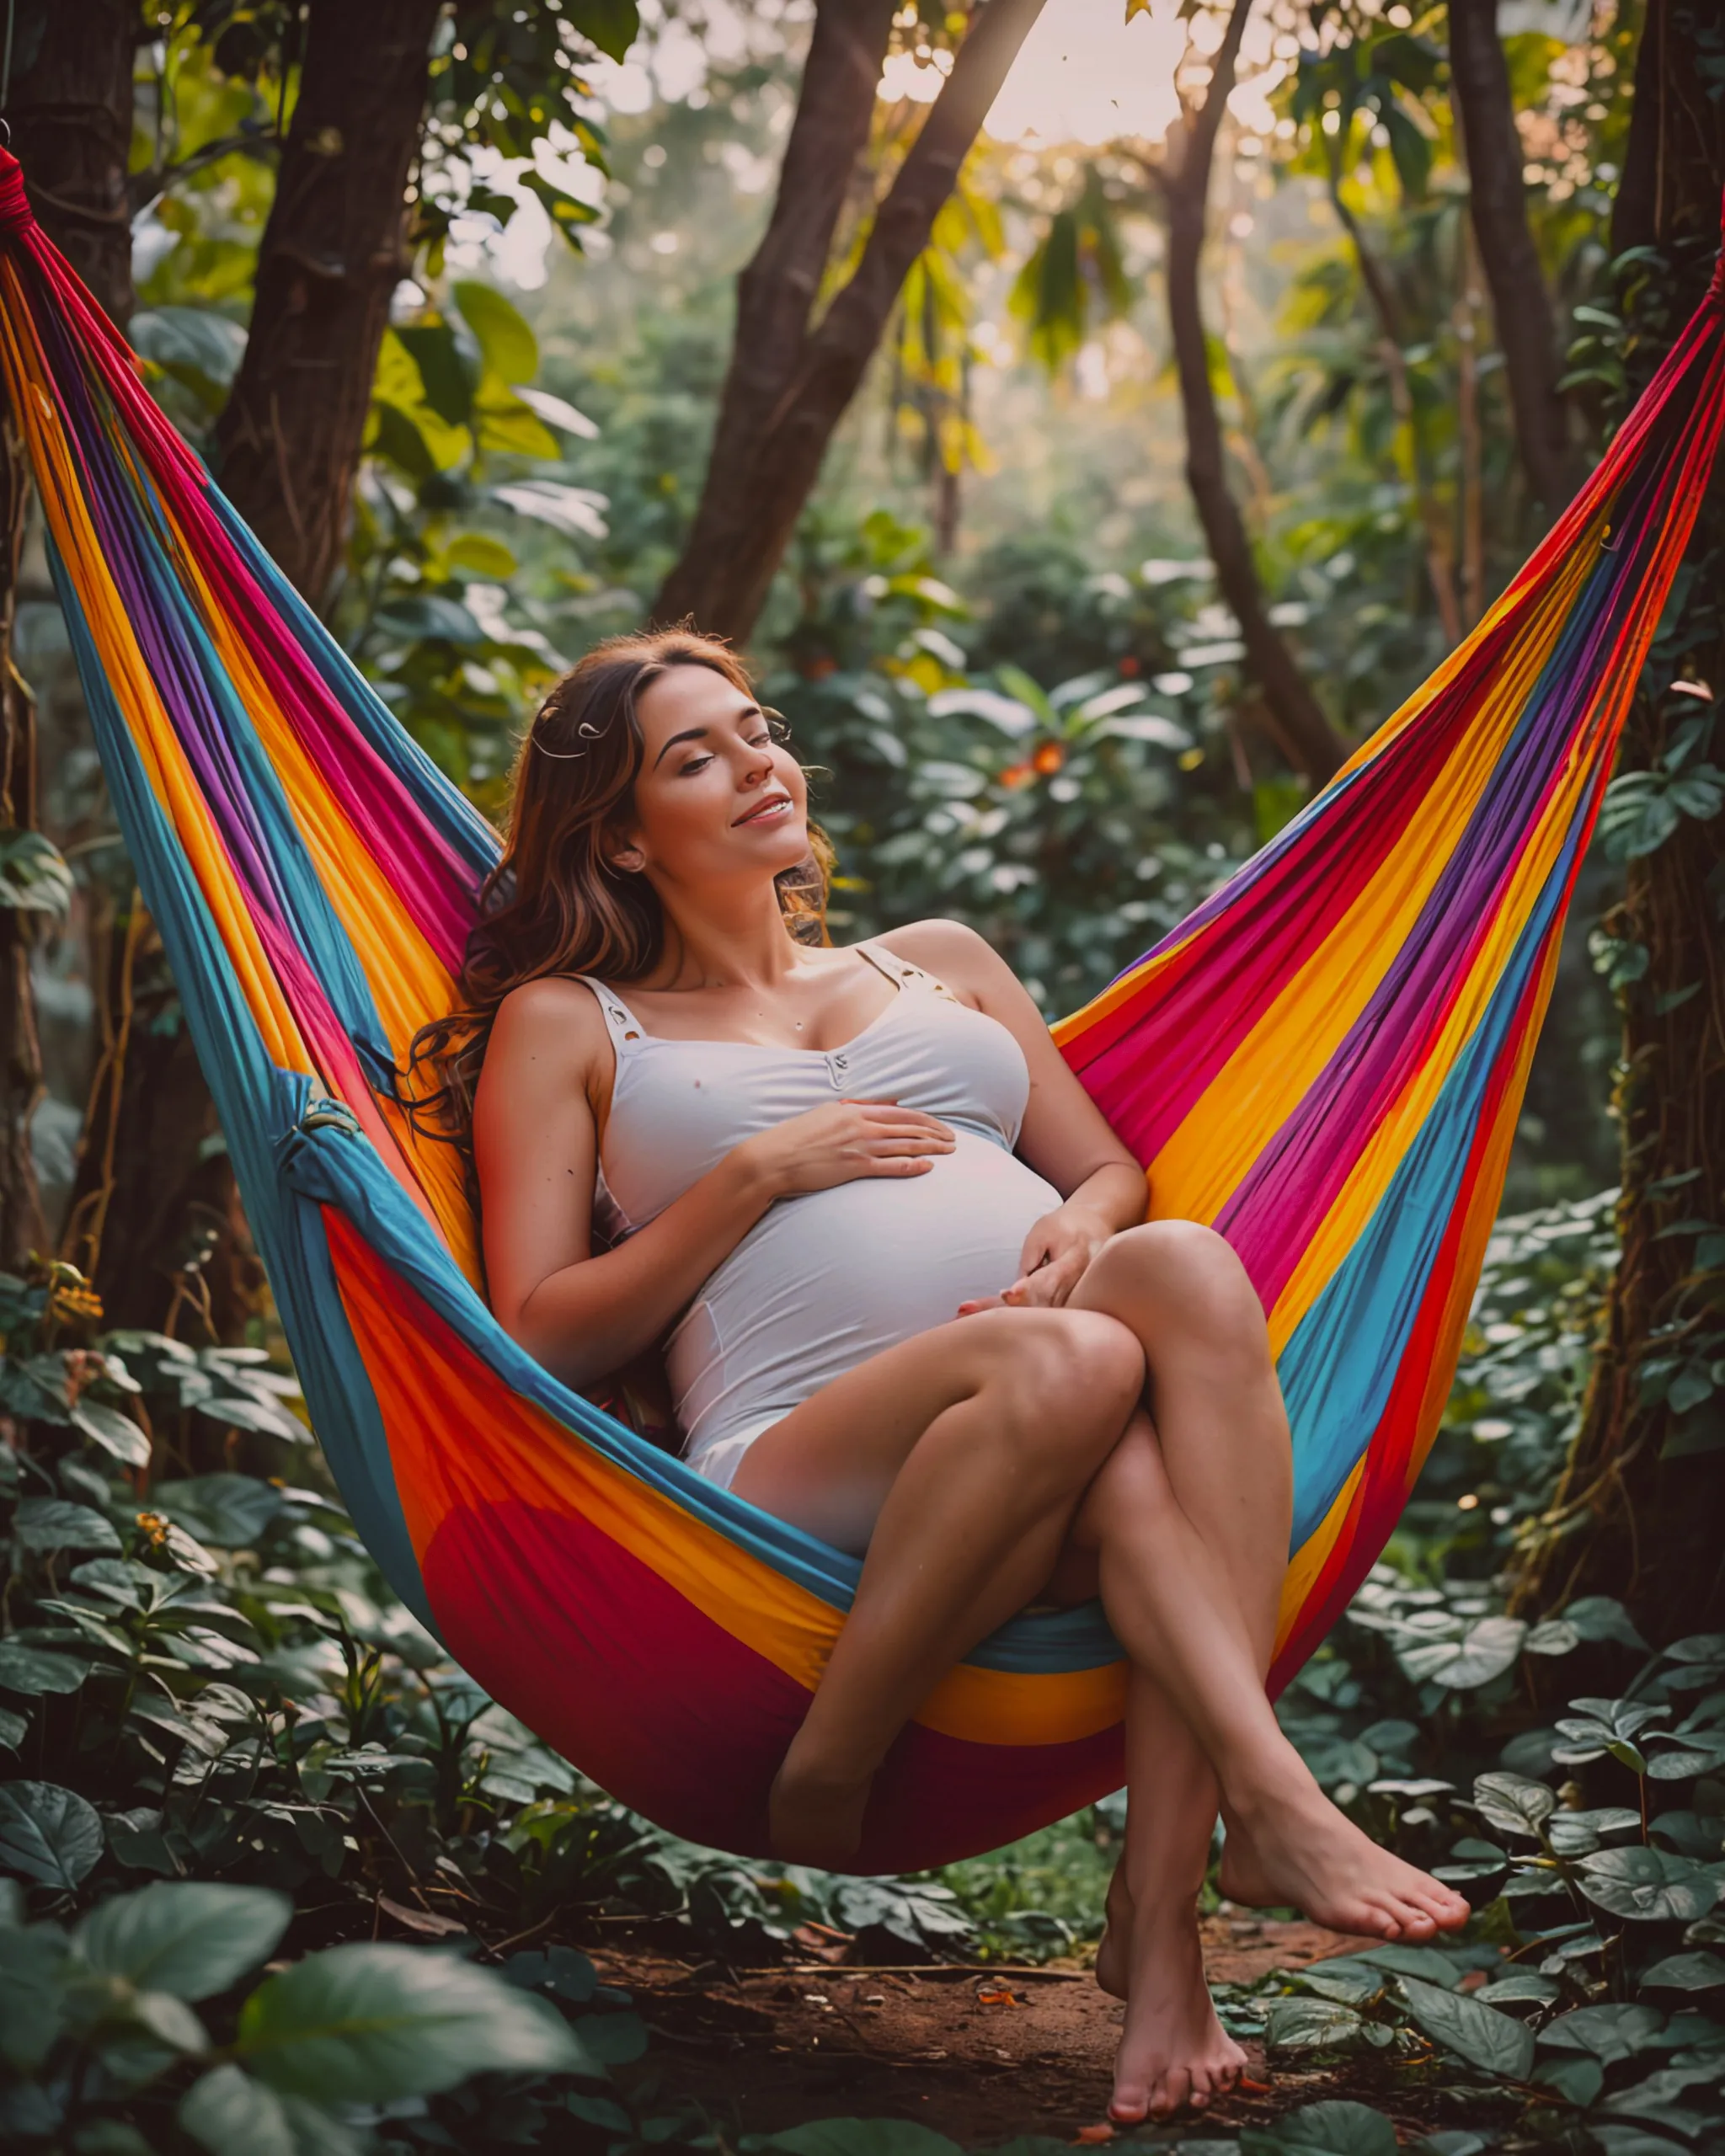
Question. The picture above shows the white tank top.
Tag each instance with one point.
(827, 1278)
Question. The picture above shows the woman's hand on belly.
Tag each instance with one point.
(1056, 1253)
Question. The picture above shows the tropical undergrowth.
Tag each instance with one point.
(284, 1876)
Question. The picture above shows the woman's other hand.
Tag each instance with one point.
(1056, 1253)
(843, 1140)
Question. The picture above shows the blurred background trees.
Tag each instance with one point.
(1091, 427)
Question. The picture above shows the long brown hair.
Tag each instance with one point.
(554, 904)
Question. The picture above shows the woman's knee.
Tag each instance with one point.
(1182, 1277)
(1066, 1379)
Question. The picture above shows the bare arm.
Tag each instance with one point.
(535, 1149)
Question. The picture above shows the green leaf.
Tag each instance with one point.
(1520, 1987)
(1486, 1650)
(368, 2023)
(557, 411)
(574, 509)
(509, 426)
(1578, 2081)
(1430, 1964)
(1698, 1972)
(1333, 2129)
(1579, 1834)
(1513, 1804)
(193, 1939)
(445, 374)
(412, 617)
(1608, 2033)
(32, 1994)
(229, 1511)
(170, 2021)
(48, 1834)
(477, 554)
(613, 26)
(34, 877)
(862, 2138)
(1649, 1884)
(1312, 2025)
(1480, 2035)
(192, 341)
(33, 1671)
(116, 1434)
(227, 2112)
(55, 1523)
(511, 349)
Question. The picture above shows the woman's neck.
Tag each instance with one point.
(714, 948)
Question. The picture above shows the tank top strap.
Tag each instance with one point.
(627, 1034)
(909, 977)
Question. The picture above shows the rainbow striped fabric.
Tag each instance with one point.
(1325, 1062)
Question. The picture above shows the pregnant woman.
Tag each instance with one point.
(898, 1269)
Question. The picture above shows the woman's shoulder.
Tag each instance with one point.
(555, 1018)
(951, 950)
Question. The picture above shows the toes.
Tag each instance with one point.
(1129, 2106)
(1170, 2092)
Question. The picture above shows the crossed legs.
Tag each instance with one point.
(1008, 1454)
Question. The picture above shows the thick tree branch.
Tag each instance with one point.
(334, 248)
(1520, 305)
(767, 453)
(1303, 732)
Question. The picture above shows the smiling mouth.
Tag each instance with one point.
(764, 808)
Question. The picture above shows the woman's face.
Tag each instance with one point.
(716, 800)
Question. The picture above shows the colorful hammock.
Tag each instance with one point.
(1325, 1062)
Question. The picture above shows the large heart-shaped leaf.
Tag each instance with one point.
(48, 1834)
(1480, 2035)
(370, 2024)
(1650, 1884)
(193, 1939)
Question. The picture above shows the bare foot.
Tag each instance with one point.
(813, 1820)
(1113, 1951)
(1173, 2050)
(1305, 1854)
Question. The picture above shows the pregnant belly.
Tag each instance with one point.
(824, 1281)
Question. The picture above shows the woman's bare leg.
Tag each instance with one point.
(1170, 1607)
(1223, 1430)
(977, 1456)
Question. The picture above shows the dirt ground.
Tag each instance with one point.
(978, 2054)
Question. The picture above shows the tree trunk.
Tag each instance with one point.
(1521, 307)
(1292, 712)
(155, 1216)
(333, 251)
(789, 385)
(70, 111)
(1641, 1510)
